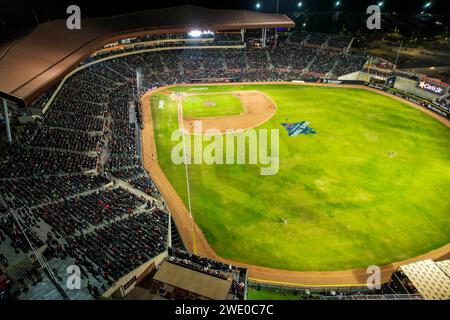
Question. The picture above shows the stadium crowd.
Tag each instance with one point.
(121, 246)
(74, 179)
(61, 191)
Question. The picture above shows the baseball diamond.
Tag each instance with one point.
(359, 220)
(276, 150)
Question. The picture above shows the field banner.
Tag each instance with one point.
(335, 81)
(297, 128)
(436, 88)
(417, 100)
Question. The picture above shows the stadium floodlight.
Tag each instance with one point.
(427, 5)
(258, 5)
(199, 33)
(380, 4)
(337, 4)
(195, 33)
(300, 4)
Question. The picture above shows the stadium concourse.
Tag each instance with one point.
(80, 193)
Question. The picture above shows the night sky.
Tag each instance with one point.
(22, 12)
(56, 9)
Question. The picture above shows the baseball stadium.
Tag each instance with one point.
(206, 153)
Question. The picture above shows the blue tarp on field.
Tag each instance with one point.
(297, 128)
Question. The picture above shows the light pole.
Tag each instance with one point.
(426, 6)
(7, 124)
(276, 28)
(398, 53)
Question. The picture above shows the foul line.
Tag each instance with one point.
(295, 284)
(181, 123)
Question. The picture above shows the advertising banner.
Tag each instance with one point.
(416, 100)
(432, 87)
(334, 81)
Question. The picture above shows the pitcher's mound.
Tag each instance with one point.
(209, 103)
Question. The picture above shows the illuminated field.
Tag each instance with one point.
(368, 188)
(211, 105)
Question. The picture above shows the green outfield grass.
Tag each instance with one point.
(223, 105)
(348, 204)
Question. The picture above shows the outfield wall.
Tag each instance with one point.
(358, 75)
(404, 94)
(414, 99)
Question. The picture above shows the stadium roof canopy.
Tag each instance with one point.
(202, 284)
(431, 279)
(38, 60)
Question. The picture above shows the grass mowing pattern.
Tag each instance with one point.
(348, 204)
(224, 105)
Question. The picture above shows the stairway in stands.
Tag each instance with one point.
(25, 274)
(177, 243)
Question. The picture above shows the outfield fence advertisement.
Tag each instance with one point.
(431, 86)
(417, 100)
(334, 81)
(440, 109)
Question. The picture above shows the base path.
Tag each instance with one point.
(195, 241)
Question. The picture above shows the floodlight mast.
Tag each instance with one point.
(138, 82)
(276, 28)
(398, 54)
(7, 124)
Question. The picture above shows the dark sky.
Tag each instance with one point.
(22, 11)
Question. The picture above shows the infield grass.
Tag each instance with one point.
(211, 105)
(348, 203)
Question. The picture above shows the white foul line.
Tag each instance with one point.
(181, 123)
